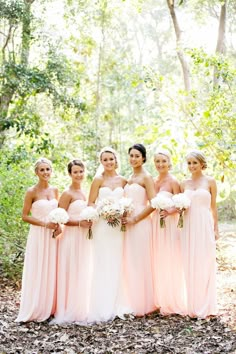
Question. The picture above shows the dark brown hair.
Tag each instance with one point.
(75, 162)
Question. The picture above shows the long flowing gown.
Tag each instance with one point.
(107, 250)
(73, 270)
(168, 264)
(38, 294)
(199, 255)
(138, 276)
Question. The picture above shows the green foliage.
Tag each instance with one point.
(110, 77)
(12, 10)
(14, 179)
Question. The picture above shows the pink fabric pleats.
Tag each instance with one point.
(38, 294)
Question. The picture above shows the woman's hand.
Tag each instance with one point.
(86, 224)
(170, 211)
(163, 214)
(57, 231)
(217, 236)
(128, 220)
(51, 225)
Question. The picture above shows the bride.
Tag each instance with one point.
(107, 243)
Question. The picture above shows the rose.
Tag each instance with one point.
(181, 202)
(162, 203)
(110, 211)
(58, 216)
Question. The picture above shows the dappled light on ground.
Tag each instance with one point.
(151, 334)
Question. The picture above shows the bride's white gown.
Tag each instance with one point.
(107, 252)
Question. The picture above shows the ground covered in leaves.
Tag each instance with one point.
(150, 334)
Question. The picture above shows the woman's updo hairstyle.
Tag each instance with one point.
(165, 153)
(199, 156)
(141, 148)
(42, 160)
(111, 151)
(75, 162)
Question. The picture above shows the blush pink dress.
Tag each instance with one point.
(167, 264)
(38, 294)
(138, 277)
(199, 255)
(73, 270)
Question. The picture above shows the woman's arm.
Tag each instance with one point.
(94, 189)
(150, 189)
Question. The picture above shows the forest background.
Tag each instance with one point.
(78, 75)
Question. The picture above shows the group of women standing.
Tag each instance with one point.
(137, 271)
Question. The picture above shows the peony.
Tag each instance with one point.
(181, 202)
(58, 216)
(162, 203)
(89, 214)
(110, 210)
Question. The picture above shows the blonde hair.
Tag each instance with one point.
(42, 160)
(199, 156)
(165, 153)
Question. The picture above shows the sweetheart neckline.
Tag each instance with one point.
(48, 200)
(165, 192)
(131, 184)
(195, 190)
(111, 189)
(81, 200)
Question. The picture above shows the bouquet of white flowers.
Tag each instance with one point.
(126, 206)
(181, 202)
(58, 216)
(162, 203)
(110, 210)
(89, 214)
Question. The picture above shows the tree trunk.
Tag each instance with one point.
(220, 47)
(26, 32)
(180, 52)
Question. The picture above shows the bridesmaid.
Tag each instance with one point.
(200, 230)
(138, 277)
(38, 294)
(106, 299)
(167, 265)
(74, 256)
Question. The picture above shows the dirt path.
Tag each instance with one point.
(146, 335)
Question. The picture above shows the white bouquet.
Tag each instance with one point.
(110, 210)
(181, 202)
(89, 214)
(58, 216)
(126, 205)
(162, 203)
